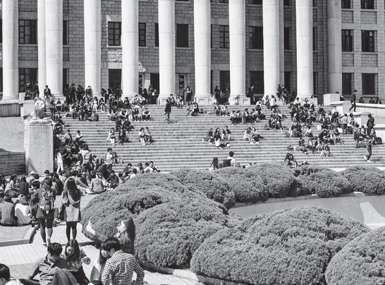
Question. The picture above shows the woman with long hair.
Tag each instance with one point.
(75, 258)
(45, 210)
(98, 267)
(71, 200)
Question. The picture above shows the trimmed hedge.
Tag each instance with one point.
(169, 234)
(365, 179)
(323, 181)
(361, 261)
(284, 247)
(247, 185)
(214, 186)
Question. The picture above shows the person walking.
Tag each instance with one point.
(45, 210)
(120, 266)
(370, 124)
(71, 201)
(369, 149)
(167, 111)
(353, 100)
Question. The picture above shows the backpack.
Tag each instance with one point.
(378, 140)
(47, 201)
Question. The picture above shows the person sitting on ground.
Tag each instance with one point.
(255, 136)
(325, 150)
(209, 136)
(5, 276)
(246, 118)
(230, 159)
(122, 136)
(248, 135)
(22, 211)
(113, 180)
(96, 183)
(214, 164)
(226, 133)
(336, 136)
(7, 212)
(179, 101)
(102, 104)
(52, 269)
(142, 136)
(154, 168)
(147, 135)
(67, 138)
(11, 188)
(75, 257)
(309, 132)
(290, 161)
(194, 109)
(301, 146)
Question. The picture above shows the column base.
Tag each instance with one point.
(242, 99)
(9, 108)
(204, 99)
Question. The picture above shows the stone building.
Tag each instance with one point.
(313, 46)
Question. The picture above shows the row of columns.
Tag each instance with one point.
(50, 45)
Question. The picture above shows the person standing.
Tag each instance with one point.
(45, 210)
(353, 99)
(369, 149)
(120, 266)
(167, 111)
(71, 200)
(370, 124)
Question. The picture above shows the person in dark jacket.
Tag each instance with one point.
(7, 212)
(167, 111)
(353, 99)
(370, 123)
(24, 187)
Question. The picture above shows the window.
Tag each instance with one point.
(346, 4)
(224, 37)
(286, 2)
(256, 38)
(315, 42)
(256, 2)
(142, 34)
(156, 35)
(114, 78)
(114, 33)
(27, 31)
(367, 4)
(368, 42)
(182, 35)
(368, 84)
(140, 84)
(286, 38)
(65, 33)
(315, 3)
(223, 1)
(256, 79)
(347, 83)
(315, 83)
(27, 75)
(347, 40)
(65, 79)
(1, 80)
(1, 31)
(181, 83)
(224, 80)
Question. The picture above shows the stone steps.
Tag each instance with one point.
(179, 145)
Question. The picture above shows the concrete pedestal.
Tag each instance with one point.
(10, 108)
(329, 98)
(361, 118)
(342, 106)
(41, 45)
(380, 131)
(38, 145)
(377, 110)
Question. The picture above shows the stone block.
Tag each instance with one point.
(38, 145)
(329, 98)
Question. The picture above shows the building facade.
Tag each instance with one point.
(313, 46)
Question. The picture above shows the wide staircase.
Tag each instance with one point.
(179, 144)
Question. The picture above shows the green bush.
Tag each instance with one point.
(277, 180)
(323, 182)
(361, 261)
(284, 247)
(214, 186)
(247, 185)
(169, 234)
(366, 179)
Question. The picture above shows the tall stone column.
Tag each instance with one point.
(41, 45)
(237, 21)
(54, 46)
(202, 38)
(271, 47)
(166, 19)
(304, 15)
(92, 44)
(282, 42)
(10, 16)
(334, 46)
(130, 47)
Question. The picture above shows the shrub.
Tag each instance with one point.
(278, 180)
(323, 182)
(365, 179)
(213, 185)
(247, 185)
(361, 261)
(284, 247)
(169, 234)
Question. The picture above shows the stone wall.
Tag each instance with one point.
(12, 162)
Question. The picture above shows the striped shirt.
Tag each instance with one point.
(119, 270)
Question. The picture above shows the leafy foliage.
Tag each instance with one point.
(361, 261)
(284, 247)
(365, 179)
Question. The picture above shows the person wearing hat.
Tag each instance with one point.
(30, 177)
(22, 211)
(353, 99)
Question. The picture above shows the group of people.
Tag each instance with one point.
(218, 137)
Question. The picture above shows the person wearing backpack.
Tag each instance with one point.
(45, 210)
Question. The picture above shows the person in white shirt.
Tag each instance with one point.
(22, 211)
